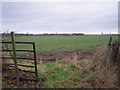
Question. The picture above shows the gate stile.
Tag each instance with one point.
(12, 56)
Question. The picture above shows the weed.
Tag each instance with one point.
(85, 71)
(82, 75)
(94, 75)
(47, 85)
(75, 77)
(62, 61)
(41, 76)
(72, 66)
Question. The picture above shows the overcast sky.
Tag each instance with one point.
(52, 17)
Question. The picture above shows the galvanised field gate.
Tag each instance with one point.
(13, 56)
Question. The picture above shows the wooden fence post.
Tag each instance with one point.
(107, 53)
(112, 57)
(14, 56)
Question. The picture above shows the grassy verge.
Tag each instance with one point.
(61, 75)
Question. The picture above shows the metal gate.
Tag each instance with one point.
(14, 56)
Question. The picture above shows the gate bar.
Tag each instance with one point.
(35, 59)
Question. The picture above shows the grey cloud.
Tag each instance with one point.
(60, 17)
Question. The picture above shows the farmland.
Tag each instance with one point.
(66, 62)
(65, 43)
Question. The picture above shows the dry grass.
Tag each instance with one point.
(100, 76)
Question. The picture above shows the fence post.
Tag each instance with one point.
(110, 41)
(35, 60)
(14, 56)
(107, 53)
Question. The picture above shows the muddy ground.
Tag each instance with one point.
(53, 56)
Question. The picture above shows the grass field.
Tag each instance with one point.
(64, 43)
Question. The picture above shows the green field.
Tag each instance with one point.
(64, 43)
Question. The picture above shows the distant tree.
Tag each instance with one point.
(27, 34)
